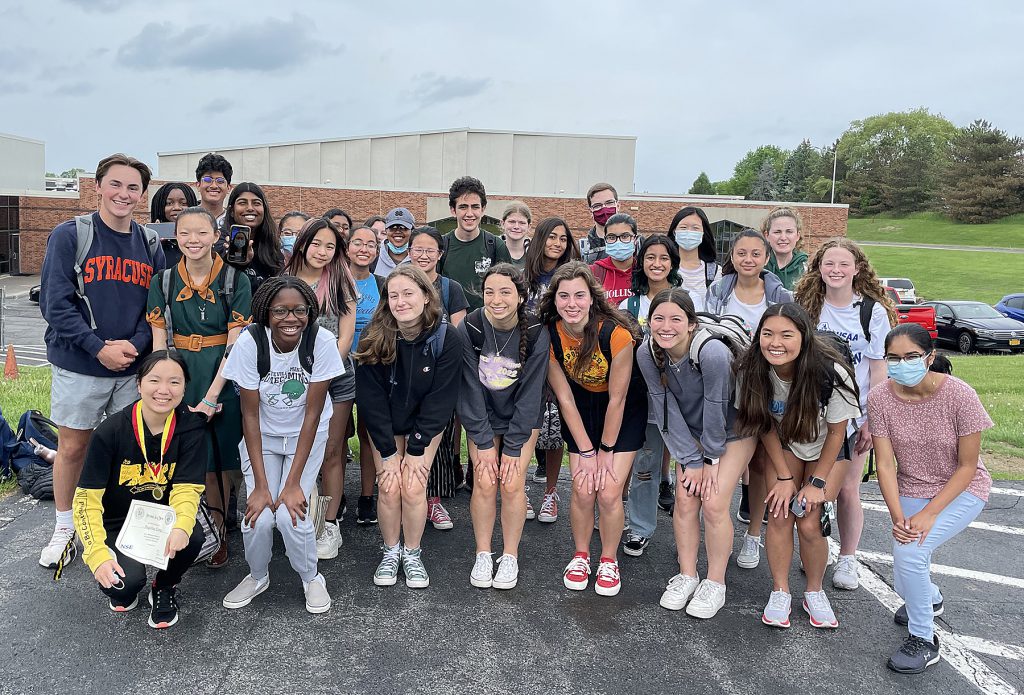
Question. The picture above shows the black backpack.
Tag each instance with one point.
(475, 328)
(307, 344)
(830, 378)
(604, 344)
(435, 344)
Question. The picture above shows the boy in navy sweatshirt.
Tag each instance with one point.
(94, 368)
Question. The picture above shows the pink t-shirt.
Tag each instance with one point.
(925, 435)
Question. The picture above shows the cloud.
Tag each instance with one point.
(74, 89)
(268, 45)
(11, 87)
(98, 5)
(437, 89)
(216, 107)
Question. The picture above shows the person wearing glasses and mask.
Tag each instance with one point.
(603, 202)
(614, 272)
(213, 179)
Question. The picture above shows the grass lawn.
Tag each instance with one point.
(932, 228)
(984, 276)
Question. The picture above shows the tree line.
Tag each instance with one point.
(894, 163)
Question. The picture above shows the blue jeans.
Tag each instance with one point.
(912, 562)
(643, 491)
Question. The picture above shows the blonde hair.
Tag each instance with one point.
(520, 207)
(378, 341)
(810, 289)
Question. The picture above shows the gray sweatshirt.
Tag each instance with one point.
(700, 405)
(499, 395)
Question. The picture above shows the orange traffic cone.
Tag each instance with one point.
(11, 365)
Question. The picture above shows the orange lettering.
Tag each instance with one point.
(89, 272)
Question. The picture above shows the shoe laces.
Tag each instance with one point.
(817, 601)
(507, 561)
(392, 556)
(608, 571)
(751, 544)
(550, 500)
(412, 563)
(578, 564)
(915, 645)
(61, 536)
(705, 591)
(678, 583)
(438, 512)
(779, 601)
(483, 563)
(847, 563)
(164, 599)
(634, 538)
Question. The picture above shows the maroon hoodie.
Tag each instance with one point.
(617, 283)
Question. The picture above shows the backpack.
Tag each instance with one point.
(475, 328)
(830, 378)
(85, 235)
(435, 344)
(604, 344)
(446, 285)
(8, 446)
(710, 269)
(33, 425)
(307, 343)
(867, 305)
(727, 329)
(226, 294)
(490, 248)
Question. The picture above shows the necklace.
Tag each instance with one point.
(494, 335)
(278, 347)
(202, 301)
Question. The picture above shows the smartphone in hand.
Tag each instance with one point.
(238, 243)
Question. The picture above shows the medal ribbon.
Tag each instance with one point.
(139, 427)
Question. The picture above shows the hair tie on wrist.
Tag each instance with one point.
(206, 402)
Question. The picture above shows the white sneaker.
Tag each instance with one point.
(508, 572)
(50, 555)
(680, 589)
(845, 574)
(317, 598)
(750, 553)
(328, 542)
(707, 600)
(247, 589)
(482, 575)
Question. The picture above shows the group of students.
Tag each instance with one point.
(640, 356)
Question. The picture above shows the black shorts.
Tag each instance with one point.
(593, 407)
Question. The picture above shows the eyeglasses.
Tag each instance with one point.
(429, 253)
(279, 312)
(912, 360)
(359, 243)
(627, 237)
(597, 206)
(220, 180)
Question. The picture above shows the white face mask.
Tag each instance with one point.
(689, 240)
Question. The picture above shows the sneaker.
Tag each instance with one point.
(635, 545)
(707, 600)
(666, 500)
(317, 598)
(915, 655)
(549, 508)
(50, 556)
(508, 572)
(328, 542)
(247, 589)
(680, 589)
(817, 606)
(776, 613)
(577, 572)
(219, 558)
(743, 512)
(845, 574)
(119, 606)
(343, 509)
(387, 571)
(366, 510)
(608, 582)
(483, 571)
(750, 553)
(901, 617)
(438, 515)
(413, 569)
(540, 474)
(530, 513)
(164, 611)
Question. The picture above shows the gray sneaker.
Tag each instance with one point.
(915, 655)
(247, 589)
(317, 598)
(750, 553)
(413, 569)
(387, 570)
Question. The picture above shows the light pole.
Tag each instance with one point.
(835, 165)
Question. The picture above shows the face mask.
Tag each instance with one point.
(398, 249)
(689, 240)
(908, 374)
(620, 250)
(287, 243)
(604, 214)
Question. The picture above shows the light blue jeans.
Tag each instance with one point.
(912, 562)
(643, 490)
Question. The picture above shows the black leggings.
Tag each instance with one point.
(135, 572)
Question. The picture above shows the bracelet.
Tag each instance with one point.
(783, 479)
(208, 403)
(588, 454)
(607, 447)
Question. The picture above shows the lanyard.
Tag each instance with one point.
(139, 426)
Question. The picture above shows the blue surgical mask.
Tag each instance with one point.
(398, 249)
(908, 373)
(689, 240)
(619, 250)
(287, 243)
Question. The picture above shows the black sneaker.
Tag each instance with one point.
(366, 510)
(165, 607)
(666, 500)
(344, 508)
(635, 545)
(915, 655)
(119, 606)
(743, 513)
(901, 617)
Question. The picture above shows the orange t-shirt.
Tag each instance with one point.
(595, 376)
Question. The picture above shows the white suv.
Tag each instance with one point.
(904, 287)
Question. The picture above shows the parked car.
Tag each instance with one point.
(914, 313)
(974, 325)
(904, 288)
(33, 293)
(1012, 306)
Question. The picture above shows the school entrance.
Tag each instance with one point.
(9, 235)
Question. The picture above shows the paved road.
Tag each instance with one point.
(538, 638)
(24, 327)
(939, 247)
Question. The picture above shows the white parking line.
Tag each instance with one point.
(955, 650)
(984, 646)
(981, 525)
(1007, 491)
(950, 571)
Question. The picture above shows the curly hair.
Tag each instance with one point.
(641, 285)
(270, 288)
(463, 185)
(523, 290)
(600, 310)
(378, 341)
(213, 163)
(810, 289)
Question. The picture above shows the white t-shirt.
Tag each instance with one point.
(645, 309)
(845, 321)
(695, 280)
(750, 313)
(283, 391)
(840, 407)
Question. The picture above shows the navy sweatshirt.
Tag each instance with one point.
(117, 273)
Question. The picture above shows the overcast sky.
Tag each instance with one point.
(698, 83)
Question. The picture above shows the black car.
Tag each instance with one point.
(973, 325)
(33, 293)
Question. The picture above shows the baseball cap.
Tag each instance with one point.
(400, 216)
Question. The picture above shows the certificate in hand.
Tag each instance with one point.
(144, 534)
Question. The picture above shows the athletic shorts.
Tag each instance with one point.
(80, 401)
(343, 388)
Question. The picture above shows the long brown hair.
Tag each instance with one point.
(533, 261)
(803, 406)
(810, 289)
(600, 310)
(523, 290)
(378, 341)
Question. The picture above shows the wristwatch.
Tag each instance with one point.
(817, 482)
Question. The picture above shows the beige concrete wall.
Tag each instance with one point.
(22, 164)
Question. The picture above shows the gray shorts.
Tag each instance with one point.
(81, 402)
(343, 388)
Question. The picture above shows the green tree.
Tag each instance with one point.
(747, 169)
(72, 173)
(765, 186)
(799, 173)
(50, 175)
(702, 186)
(984, 179)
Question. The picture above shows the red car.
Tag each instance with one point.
(914, 313)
